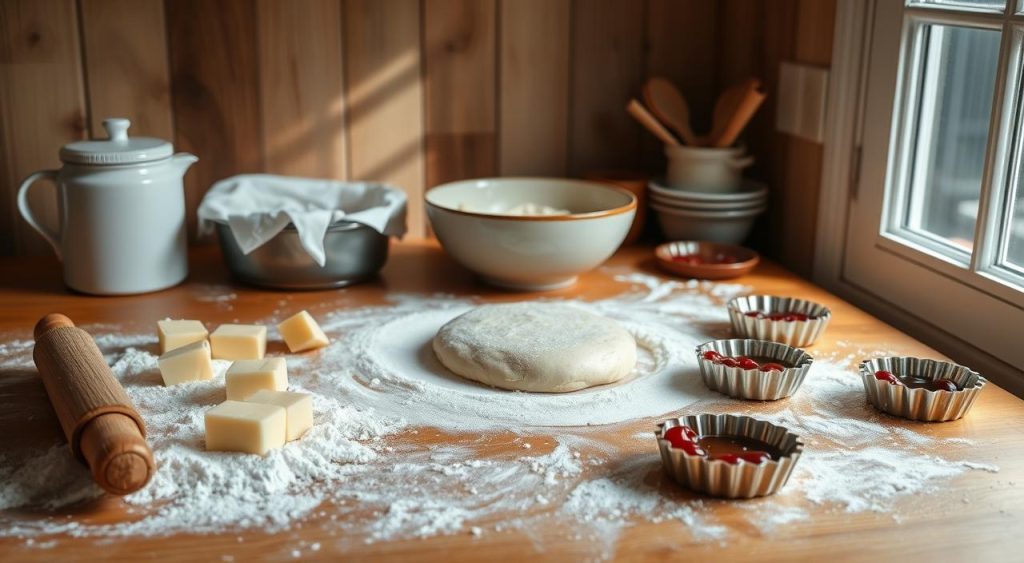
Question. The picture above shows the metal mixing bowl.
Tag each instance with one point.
(354, 252)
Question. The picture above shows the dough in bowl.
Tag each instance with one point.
(545, 347)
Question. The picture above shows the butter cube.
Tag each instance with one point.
(252, 428)
(246, 377)
(175, 334)
(299, 408)
(300, 332)
(239, 342)
(187, 363)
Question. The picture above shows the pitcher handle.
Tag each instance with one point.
(51, 236)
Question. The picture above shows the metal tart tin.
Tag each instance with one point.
(752, 384)
(921, 404)
(728, 480)
(792, 333)
(354, 251)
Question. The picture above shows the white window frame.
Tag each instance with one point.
(850, 76)
(981, 271)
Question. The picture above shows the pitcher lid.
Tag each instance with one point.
(118, 148)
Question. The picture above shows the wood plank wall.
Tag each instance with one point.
(411, 92)
(754, 37)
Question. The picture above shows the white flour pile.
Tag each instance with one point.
(357, 474)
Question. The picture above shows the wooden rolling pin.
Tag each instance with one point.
(101, 424)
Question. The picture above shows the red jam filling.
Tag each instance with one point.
(743, 362)
(784, 317)
(729, 449)
(684, 438)
(915, 382)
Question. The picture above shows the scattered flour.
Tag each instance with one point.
(378, 382)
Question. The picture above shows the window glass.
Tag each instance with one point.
(957, 79)
(1015, 231)
(987, 4)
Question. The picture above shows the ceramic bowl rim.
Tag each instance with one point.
(632, 205)
(711, 213)
(709, 153)
(658, 186)
(656, 199)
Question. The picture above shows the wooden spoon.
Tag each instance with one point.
(640, 113)
(726, 105)
(750, 99)
(667, 103)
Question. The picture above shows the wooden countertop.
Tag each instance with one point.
(977, 522)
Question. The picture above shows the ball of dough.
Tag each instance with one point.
(546, 347)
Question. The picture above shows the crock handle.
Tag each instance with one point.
(742, 162)
(51, 236)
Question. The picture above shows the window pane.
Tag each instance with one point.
(957, 79)
(988, 4)
(1015, 233)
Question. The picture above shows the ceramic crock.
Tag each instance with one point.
(121, 212)
(705, 169)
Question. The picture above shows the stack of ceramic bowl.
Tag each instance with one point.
(720, 216)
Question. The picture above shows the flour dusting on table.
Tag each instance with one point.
(357, 474)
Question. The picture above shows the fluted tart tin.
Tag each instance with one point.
(791, 321)
(753, 384)
(720, 478)
(921, 403)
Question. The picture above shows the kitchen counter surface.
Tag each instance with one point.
(974, 517)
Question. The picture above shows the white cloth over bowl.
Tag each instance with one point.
(259, 206)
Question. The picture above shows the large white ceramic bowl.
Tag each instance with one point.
(530, 252)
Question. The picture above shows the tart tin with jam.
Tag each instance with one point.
(794, 322)
(728, 455)
(757, 370)
(920, 389)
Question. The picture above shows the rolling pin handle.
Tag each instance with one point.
(117, 454)
(50, 322)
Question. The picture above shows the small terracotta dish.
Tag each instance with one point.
(920, 389)
(757, 370)
(706, 260)
(727, 455)
(794, 322)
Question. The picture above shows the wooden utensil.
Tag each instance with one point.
(726, 106)
(102, 426)
(748, 100)
(640, 113)
(669, 106)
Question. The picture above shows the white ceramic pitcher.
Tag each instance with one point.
(121, 205)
